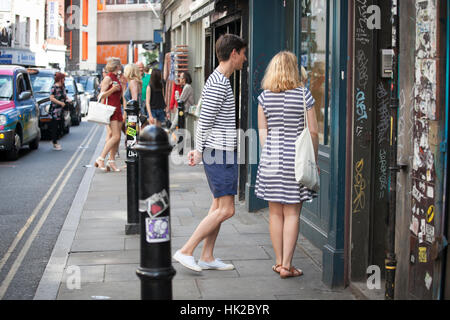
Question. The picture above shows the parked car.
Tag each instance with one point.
(19, 112)
(42, 81)
(75, 96)
(91, 85)
(84, 98)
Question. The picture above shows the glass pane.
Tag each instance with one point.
(313, 56)
(289, 25)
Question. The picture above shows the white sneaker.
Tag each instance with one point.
(187, 261)
(215, 265)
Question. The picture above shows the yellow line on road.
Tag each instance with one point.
(19, 236)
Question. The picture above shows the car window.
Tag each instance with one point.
(6, 87)
(83, 81)
(27, 83)
(69, 86)
(90, 84)
(42, 83)
(20, 84)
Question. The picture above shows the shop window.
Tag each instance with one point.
(314, 57)
(36, 36)
(17, 30)
(27, 32)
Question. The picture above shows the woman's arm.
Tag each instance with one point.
(147, 104)
(314, 130)
(104, 88)
(262, 126)
(56, 101)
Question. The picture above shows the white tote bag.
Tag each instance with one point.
(99, 112)
(306, 172)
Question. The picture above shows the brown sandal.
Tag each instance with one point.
(275, 268)
(293, 272)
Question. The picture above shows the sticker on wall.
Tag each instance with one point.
(423, 255)
(414, 226)
(157, 229)
(430, 214)
(428, 280)
(429, 233)
(155, 205)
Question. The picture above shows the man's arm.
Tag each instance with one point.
(212, 100)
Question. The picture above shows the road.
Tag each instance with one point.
(36, 193)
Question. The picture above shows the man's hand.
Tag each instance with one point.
(194, 158)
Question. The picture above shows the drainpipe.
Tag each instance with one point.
(394, 168)
(349, 143)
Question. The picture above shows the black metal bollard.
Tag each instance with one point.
(155, 271)
(132, 226)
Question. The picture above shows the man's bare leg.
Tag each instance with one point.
(208, 244)
(210, 224)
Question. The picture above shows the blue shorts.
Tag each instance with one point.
(159, 114)
(221, 170)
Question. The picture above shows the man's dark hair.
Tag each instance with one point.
(187, 77)
(225, 45)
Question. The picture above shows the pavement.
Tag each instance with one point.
(93, 259)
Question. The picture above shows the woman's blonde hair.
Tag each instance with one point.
(112, 64)
(131, 72)
(282, 73)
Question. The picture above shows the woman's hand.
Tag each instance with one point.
(115, 87)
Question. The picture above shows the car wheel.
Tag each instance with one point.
(13, 154)
(35, 143)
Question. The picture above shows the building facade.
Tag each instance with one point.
(123, 27)
(379, 72)
(22, 32)
(80, 35)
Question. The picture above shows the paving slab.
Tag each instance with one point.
(108, 244)
(104, 257)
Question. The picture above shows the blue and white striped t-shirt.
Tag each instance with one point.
(216, 128)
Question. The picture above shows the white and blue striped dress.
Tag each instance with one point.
(275, 180)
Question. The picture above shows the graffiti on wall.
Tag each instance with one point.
(423, 191)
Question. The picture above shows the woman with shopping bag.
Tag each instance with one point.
(111, 92)
(281, 119)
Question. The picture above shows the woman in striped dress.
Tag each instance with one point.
(280, 122)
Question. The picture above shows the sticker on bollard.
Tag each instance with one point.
(155, 205)
(132, 119)
(131, 132)
(157, 229)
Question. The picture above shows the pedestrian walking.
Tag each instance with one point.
(58, 98)
(187, 96)
(155, 104)
(216, 145)
(111, 93)
(145, 82)
(134, 89)
(280, 122)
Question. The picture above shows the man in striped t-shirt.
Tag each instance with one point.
(216, 145)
